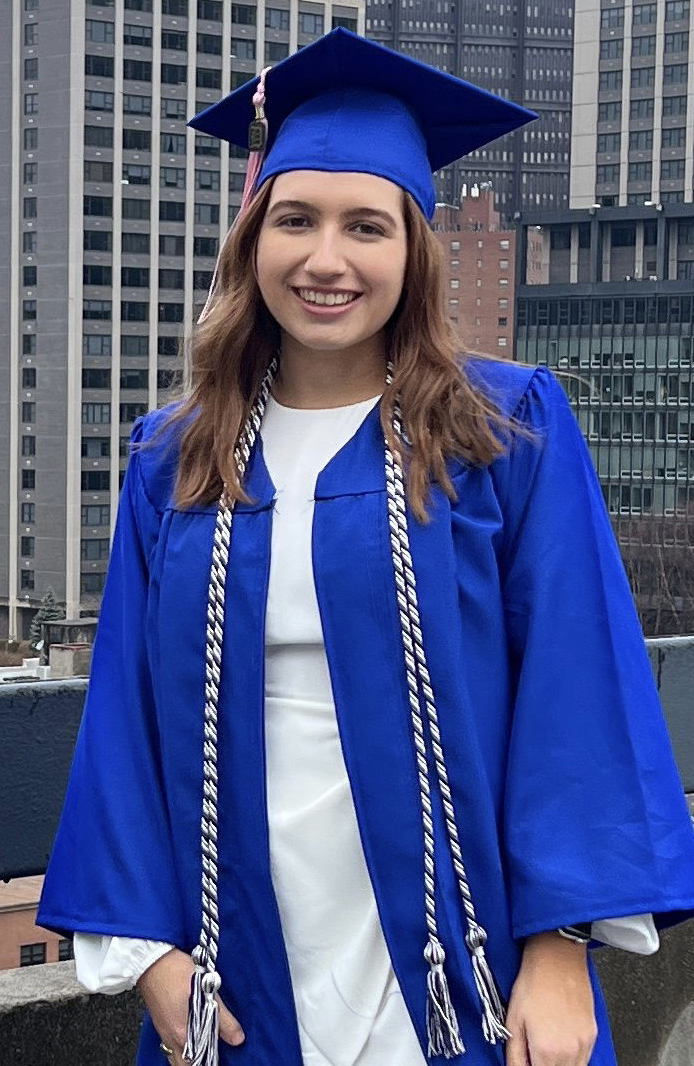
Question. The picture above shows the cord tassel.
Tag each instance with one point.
(202, 1036)
(442, 1022)
(493, 1013)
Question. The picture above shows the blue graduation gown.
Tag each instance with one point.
(569, 804)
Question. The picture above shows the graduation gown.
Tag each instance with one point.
(568, 800)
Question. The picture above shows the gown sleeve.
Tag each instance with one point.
(595, 820)
(113, 964)
(112, 870)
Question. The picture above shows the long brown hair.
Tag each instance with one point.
(444, 416)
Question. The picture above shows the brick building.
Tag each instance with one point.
(22, 942)
(479, 259)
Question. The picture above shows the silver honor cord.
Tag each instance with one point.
(202, 1038)
(442, 1025)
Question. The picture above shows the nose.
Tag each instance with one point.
(326, 256)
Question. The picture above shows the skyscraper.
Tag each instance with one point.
(521, 51)
(111, 213)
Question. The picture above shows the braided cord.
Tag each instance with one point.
(418, 679)
(201, 1047)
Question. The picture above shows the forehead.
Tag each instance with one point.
(338, 191)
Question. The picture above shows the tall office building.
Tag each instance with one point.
(605, 288)
(633, 114)
(520, 51)
(111, 213)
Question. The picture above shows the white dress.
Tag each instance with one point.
(348, 1003)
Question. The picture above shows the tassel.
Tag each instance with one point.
(257, 139)
(493, 1014)
(442, 1023)
(202, 1036)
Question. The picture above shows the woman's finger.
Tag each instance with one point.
(516, 1045)
(230, 1030)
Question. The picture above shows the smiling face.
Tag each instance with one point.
(331, 259)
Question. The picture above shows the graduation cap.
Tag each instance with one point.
(347, 104)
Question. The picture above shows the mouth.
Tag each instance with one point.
(331, 301)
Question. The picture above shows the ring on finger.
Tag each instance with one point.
(167, 1050)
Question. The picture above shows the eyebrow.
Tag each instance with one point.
(353, 212)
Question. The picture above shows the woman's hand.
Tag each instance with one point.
(165, 988)
(551, 1012)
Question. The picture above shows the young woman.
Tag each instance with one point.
(365, 612)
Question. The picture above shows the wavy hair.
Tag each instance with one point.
(444, 415)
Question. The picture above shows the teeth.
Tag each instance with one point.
(328, 298)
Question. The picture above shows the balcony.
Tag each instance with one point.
(46, 1019)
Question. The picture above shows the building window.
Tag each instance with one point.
(134, 379)
(174, 41)
(96, 448)
(612, 18)
(136, 174)
(172, 177)
(170, 312)
(94, 550)
(171, 108)
(173, 143)
(134, 277)
(28, 411)
(137, 140)
(672, 169)
(208, 78)
(29, 377)
(31, 103)
(642, 77)
(133, 104)
(98, 514)
(610, 80)
(137, 70)
(202, 279)
(99, 32)
(173, 74)
(640, 171)
(675, 74)
(643, 46)
(607, 174)
(674, 106)
(31, 138)
(674, 137)
(31, 69)
(31, 33)
(95, 480)
(609, 142)
(134, 311)
(96, 344)
(276, 19)
(130, 412)
(96, 414)
(141, 36)
(26, 547)
(28, 446)
(167, 346)
(503, 264)
(611, 48)
(170, 279)
(96, 240)
(98, 66)
(610, 111)
(310, 24)
(175, 7)
(640, 140)
(29, 241)
(96, 377)
(677, 10)
(275, 51)
(29, 344)
(29, 275)
(645, 14)
(207, 246)
(207, 214)
(28, 514)
(98, 136)
(243, 48)
(346, 23)
(135, 244)
(171, 245)
(29, 207)
(135, 209)
(28, 479)
(210, 44)
(26, 582)
(674, 42)
(29, 310)
(206, 145)
(96, 100)
(97, 170)
(207, 179)
(172, 211)
(243, 14)
(134, 345)
(96, 310)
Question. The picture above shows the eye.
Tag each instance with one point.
(293, 222)
(367, 229)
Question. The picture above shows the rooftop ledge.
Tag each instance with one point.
(47, 1019)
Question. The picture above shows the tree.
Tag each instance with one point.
(49, 611)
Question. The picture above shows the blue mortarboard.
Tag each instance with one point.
(347, 104)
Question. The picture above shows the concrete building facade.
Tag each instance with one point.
(111, 213)
(633, 103)
(479, 265)
(521, 51)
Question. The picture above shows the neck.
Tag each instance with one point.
(309, 378)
